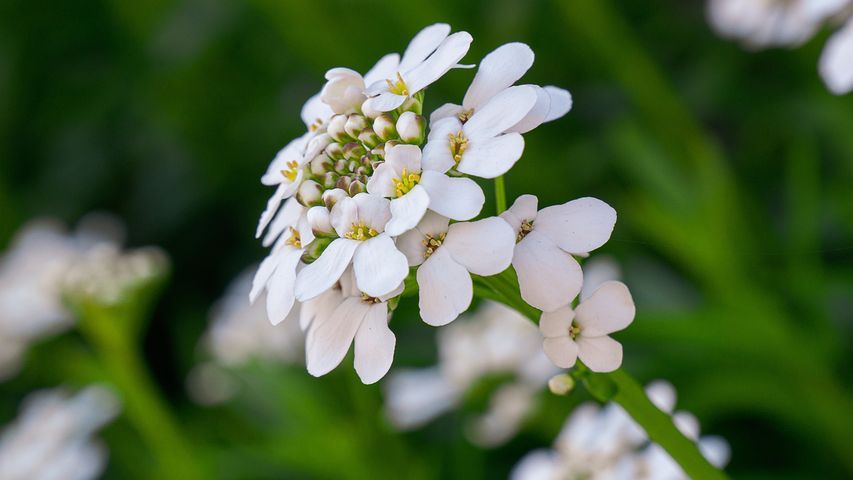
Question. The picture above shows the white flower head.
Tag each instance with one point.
(548, 274)
(414, 189)
(836, 61)
(377, 264)
(358, 319)
(447, 255)
(583, 332)
(430, 54)
(498, 71)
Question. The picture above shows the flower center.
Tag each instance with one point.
(458, 144)
(526, 227)
(465, 115)
(316, 124)
(406, 182)
(432, 243)
(574, 331)
(291, 170)
(399, 87)
(295, 240)
(368, 299)
(360, 231)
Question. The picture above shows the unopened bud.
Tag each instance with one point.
(353, 151)
(330, 179)
(317, 144)
(331, 197)
(310, 193)
(378, 151)
(341, 166)
(412, 104)
(321, 164)
(368, 110)
(411, 128)
(561, 384)
(355, 124)
(314, 249)
(369, 138)
(336, 128)
(335, 151)
(343, 183)
(356, 187)
(384, 127)
(320, 221)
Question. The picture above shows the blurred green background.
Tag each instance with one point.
(732, 172)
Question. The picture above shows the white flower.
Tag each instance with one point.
(53, 436)
(427, 58)
(480, 147)
(836, 61)
(768, 23)
(499, 70)
(448, 255)
(414, 190)
(344, 89)
(583, 332)
(378, 266)
(358, 319)
(548, 274)
(286, 171)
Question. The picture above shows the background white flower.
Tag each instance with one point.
(836, 62)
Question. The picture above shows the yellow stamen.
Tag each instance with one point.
(574, 331)
(368, 299)
(465, 115)
(526, 227)
(399, 87)
(406, 182)
(295, 240)
(458, 144)
(360, 232)
(291, 171)
(432, 243)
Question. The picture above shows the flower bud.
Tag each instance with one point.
(384, 126)
(356, 187)
(321, 164)
(411, 127)
(310, 193)
(330, 179)
(335, 151)
(353, 151)
(355, 124)
(331, 197)
(317, 145)
(314, 249)
(320, 221)
(341, 166)
(336, 128)
(368, 111)
(343, 91)
(412, 104)
(561, 384)
(378, 151)
(369, 138)
(343, 183)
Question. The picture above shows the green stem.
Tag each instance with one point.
(142, 403)
(500, 195)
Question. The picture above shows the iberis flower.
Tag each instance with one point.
(374, 197)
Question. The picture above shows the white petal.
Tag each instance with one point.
(523, 208)
(445, 111)
(579, 226)
(433, 224)
(287, 216)
(561, 102)
(483, 247)
(319, 276)
(290, 152)
(343, 215)
(436, 154)
(407, 211)
(374, 345)
(379, 267)
(331, 338)
(716, 450)
(445, 289)
(424, 43)
(557, 323)
(499, 70)
(600, 354)
(492, 157)
(314, 110)
(562, 351)
(836, 61)
(321, 306)
(386, 101)
(445, 57)
(319, 220)
(280, 294)
(537, 115)
(456, 198)
(404, 156)
(411, 245)
(501, 112)
(382, 181)
(608, 310)
(385, 68)
(548, 277)
(269, 212)
(263, 274)
(373, 210)
(662, 394)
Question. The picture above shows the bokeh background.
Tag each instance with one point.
(732, 172)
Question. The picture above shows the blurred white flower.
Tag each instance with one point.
(31, 281)
(107, 274)
(583, 332)
(446, 256)
(52, 438)
(548, 274)
(606, 444)
(836, 62)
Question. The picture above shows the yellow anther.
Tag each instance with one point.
(465, 115)
(526, 227)
(368, 299)
(458, 144)
(399, 87)
(406, 182)
(360, 232)
(574, 331)
(291, 171)
(295, 240)
(432, 243)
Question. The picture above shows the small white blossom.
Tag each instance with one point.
(583, 332)
(548, 274)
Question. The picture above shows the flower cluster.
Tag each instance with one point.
(53, 435)
(771, 23)
(604, 443)
(376, 190)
